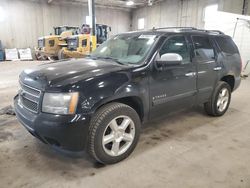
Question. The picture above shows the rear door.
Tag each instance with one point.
(205, 58)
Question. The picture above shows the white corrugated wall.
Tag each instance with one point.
(26, 20)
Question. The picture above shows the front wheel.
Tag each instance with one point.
(61, 54)
(114, 132)
(220, 100)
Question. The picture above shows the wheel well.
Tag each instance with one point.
(133, 102)
(230, 80)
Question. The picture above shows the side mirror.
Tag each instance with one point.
(169, 59)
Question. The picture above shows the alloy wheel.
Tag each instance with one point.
(118, 135)
(223, 99)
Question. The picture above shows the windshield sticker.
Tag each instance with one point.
(147, 37)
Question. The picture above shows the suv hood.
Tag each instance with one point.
(61, 73)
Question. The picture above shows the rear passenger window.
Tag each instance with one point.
(203, 48)
(226, 45)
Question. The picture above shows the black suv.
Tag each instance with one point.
(99, 103)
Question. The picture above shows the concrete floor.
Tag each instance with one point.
(185, 149)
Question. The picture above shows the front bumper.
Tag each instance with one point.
(67, 132)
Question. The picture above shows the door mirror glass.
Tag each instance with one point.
(169, 59)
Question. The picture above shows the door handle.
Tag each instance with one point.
(190, 74)
(217, 68)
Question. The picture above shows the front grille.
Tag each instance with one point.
(30, 90)
(28, 104)
(29, 98)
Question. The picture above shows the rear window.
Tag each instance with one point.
(203, 48)
(226, 45)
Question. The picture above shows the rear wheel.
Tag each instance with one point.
(113, 133)
(219, 103)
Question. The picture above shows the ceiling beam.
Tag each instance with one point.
(97, 4)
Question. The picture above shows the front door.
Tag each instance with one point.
(174, 86)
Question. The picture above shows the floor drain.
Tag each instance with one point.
(9, 110)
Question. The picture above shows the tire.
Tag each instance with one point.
(102, 127)
(217, 106)
(61, 55)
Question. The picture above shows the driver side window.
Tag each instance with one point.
(178, 45)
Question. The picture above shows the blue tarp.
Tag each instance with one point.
(1, 55)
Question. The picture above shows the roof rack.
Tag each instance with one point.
(180, 28)
(189, 29)
(211, 31)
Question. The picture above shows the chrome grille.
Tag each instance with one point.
(29, 98)
(28, 104)
(32, 91)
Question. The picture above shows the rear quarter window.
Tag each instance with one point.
(226, 45)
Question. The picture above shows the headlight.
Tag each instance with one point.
(60, 103)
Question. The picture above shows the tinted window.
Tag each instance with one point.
(51, 43)
(203, 48)
(227, 45)
(178, 45)
(84, 42)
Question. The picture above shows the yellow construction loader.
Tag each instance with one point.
(49, 46)
(83, 44)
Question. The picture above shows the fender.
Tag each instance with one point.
(104, 90)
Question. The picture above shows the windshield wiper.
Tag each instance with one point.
(111, 58)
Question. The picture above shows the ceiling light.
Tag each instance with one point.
(130, 3)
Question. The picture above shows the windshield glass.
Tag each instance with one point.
(125, 49)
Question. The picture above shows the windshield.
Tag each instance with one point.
(125, 49)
